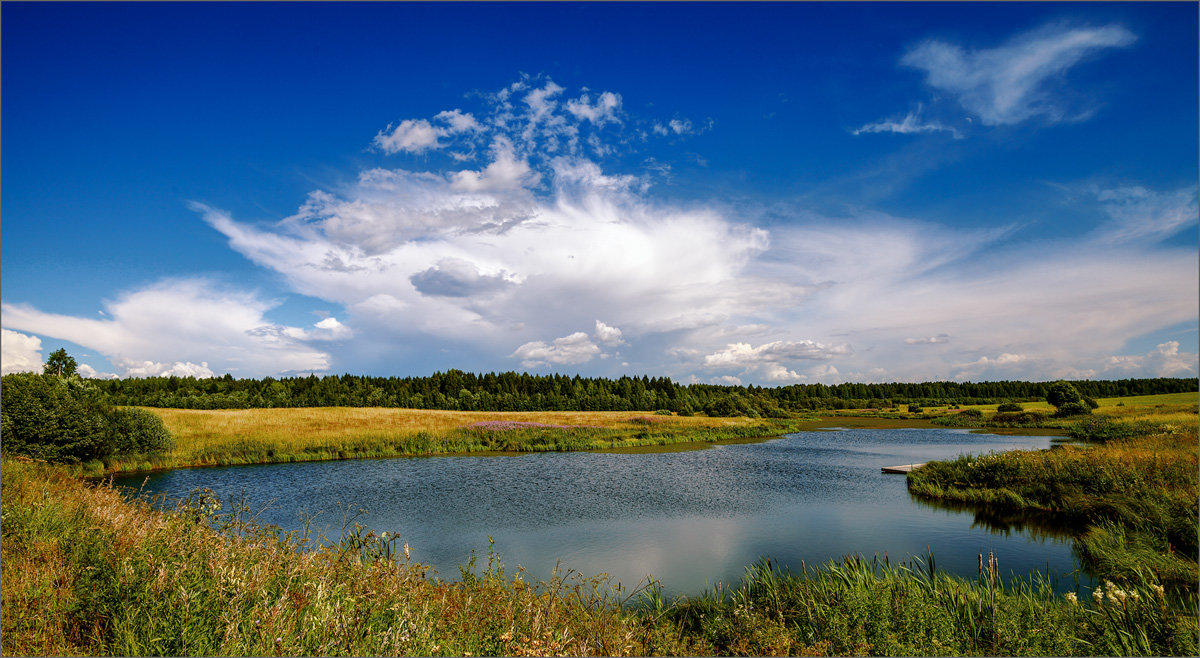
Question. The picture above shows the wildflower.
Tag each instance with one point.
(1158, 590)
(1071, 598)
(1098, 596)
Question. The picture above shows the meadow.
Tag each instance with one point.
(88, 572)
(260, 436)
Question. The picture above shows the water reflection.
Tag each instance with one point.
(1007, 521)
(690, 518)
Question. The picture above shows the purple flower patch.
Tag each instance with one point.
(514, 425)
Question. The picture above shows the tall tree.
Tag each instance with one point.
(60, 363)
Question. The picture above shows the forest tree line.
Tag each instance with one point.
(511, 391)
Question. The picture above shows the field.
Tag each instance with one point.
(87, 572)
(254, 436)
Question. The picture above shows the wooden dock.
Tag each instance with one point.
(902, 469)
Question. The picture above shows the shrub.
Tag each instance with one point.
(136, 431)
(662, 412)
(45, 418)
(1061, 393)
(64, 420)
(914, 408)
(1069, 409)
(1009, 407)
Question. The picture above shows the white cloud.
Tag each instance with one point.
(88, 372)
(568, 350)
(174, 325)
(19, 353)
(1165, 360)
(610, 336)
(606, 108)
(132, 368)
(911, 124)
(487, 259)
(411, 136)
(1137, 213)
(506, 172)
(932, 340)
(767, 361)
(1012, 82)
(458, 121)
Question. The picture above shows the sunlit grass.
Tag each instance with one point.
(89, 573)
(255, 436)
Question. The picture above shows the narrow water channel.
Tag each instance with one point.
(689, 518)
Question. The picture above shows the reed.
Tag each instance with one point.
(90, 573)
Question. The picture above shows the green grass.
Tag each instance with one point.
(89, 573)
(1133, 492)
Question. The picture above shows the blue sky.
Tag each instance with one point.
(732, 193)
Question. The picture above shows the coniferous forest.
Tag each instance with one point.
(511, 391)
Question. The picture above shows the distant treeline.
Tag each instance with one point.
(510, 391)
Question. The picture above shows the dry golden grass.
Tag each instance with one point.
(292, 430)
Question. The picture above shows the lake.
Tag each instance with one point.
(690, 518)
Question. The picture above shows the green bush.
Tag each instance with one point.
(1009, 407)
(135, 431)
(1069, 409)
(61, 419)
(45, 419)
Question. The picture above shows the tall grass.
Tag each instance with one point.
(257, 436)
(86, 572)
(1135, 493)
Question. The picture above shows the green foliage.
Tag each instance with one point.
(1061, 393)
(914, 409)
(510, 391)
(1009, 407)
(1071, 409)
(60, 364)
(63, 419)
(1144, 484)
(135, 431)
(47, 417)
(1099, 429)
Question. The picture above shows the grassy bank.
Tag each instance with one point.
(86, 572)
(1132, 489)
(260, 436)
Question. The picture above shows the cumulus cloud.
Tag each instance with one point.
(606, 107)
(610, 336)
(1165, 360)
(170, 327)
(133, 368)
(19, 353)
(1012, 83)
(568, 350)
(88, 372)
(526, 237)
(419, 135)
(767, 361)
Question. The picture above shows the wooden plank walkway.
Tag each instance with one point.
(902, 469)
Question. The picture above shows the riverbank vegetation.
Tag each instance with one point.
(261, 436)
(88, 572)
(1131, 488)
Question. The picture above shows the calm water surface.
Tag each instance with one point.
(689, 518)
